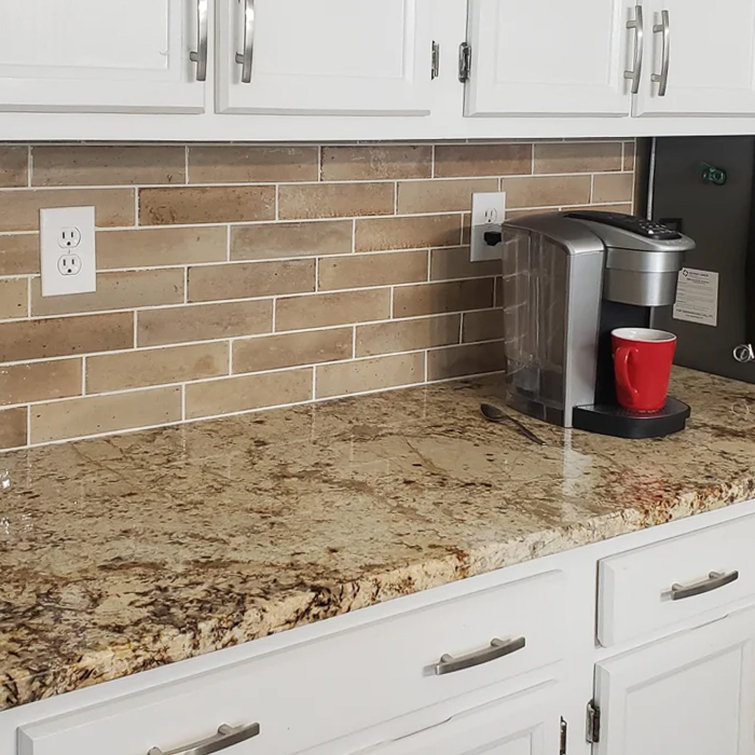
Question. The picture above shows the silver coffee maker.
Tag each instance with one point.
(569, 279)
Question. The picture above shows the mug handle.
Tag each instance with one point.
(621, 360)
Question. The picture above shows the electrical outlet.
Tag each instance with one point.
(67, 250)
(488, 211)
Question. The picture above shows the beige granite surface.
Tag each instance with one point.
(125, 553)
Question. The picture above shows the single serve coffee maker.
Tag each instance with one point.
(569, 279)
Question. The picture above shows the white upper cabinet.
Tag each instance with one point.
(709, 54)
(331, 57)
(539, 57)
(98, 56)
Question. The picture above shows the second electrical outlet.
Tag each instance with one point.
(67, 250)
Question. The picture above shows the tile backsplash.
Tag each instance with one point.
(233, 278)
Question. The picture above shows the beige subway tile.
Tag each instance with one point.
(484, 325)
(369, 374)
(19, 255)
(246, 164)
(618, 207)
(456, 361)
(269, 240)
(246, 281)
(113, 207)
(14, 163)
(372, 162)
(14, 298)
(137, 369)
(380, 234)
(238, 394)
(39, 339)
(201, 322)
(577, 157)
(40, 381)
(546, 191)
(206, 204)
(518, 214)
(366, 270)
(609, 187)
(454, 262)
(13, 428)
(441, 196)
(629, 153)
(453, 160)
(92, 415)
(334, 200)
(140, 288)
(292, 350)
(153, 247)
(98, 165)
(407, 335)
(432, 298)
(301, 312)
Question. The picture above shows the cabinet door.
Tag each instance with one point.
(711, 58)
(693, 693)
(544, 58)
(325, 57)
(95, 56)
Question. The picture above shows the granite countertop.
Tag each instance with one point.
(129, 552)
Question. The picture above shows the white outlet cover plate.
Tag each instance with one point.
(488, 212)
(52, 223)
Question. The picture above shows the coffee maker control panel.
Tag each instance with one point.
(648, 228)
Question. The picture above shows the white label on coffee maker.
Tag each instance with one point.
(697, 296)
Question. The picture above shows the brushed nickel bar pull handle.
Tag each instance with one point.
(200, 55)
(715, 580)
(245, 59)
(498, 649)
(639, 44)
(662, 78)
(226, 736)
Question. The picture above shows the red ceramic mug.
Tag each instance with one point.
(642, 359)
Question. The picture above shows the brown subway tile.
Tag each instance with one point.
(577, 157)
(153, 247)
(206, 204)
(367, 270)
(292, 349)
(136, 369)
(516, 214)
(19, 254)
(618, 207)
(113, 207)
(238, 394)
(301, 312)
(14, 163)
(247, 164)
(629, 152)
(14, 298)
(446, 264)
(13, 428)
(453, 160)
(268, 240)
(432, 298)
(40, 381)
(96, 165)
(609, 187)
(546, 191)
(375, 162)
(334, 200)
(498, 292)
(92, 415)
(441, 196)
(201, 322)
(246, 281)
(379, 234)
(485, 325)
(369, 374)
(456, 361)
(407, 335)
(140, 288)
(39, 339)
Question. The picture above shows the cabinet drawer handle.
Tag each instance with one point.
(639, 43)
(498, 648)
(662, 78)
(226, 736)
(200, 55)
(246, 58)
(715, 580)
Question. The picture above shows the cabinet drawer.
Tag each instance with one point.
(310, 693)
(674, 581)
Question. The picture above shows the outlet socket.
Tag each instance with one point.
(488, 212)
(67, 250)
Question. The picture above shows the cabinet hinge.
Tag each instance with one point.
(435, 64)
(465, 62)
(593, 722)
(562, 747)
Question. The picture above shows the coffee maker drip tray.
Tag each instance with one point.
(611, 419)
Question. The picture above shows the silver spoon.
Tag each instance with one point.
(496, 414)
